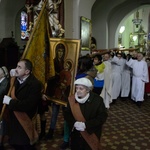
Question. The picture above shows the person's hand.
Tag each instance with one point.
(44, 97)
(112, 53)
(129, 57)
(6, 99)
(80, 126)
(13, 72)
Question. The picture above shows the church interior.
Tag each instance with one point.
(118, 24)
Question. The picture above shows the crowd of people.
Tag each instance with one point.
(129, 75)
(113, 77)
(100, 81)
(121, 76)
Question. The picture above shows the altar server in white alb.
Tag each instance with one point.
(125, 79)
(106, 93)
(139, 78)
(117, 68)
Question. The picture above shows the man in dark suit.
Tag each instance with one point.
(23, 105)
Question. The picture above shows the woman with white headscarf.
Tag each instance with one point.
(85, 115)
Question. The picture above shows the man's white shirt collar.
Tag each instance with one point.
(22, 80)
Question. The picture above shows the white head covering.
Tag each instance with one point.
(88, 84)
(84, 81)
(5, 71)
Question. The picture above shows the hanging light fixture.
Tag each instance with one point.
(137, 21)
(122, 29)
(134, 38)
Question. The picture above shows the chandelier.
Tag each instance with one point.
(137, 21)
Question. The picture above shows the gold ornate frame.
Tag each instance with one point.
(85, 33)
(72, 47)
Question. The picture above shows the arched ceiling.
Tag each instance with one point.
(106, 15)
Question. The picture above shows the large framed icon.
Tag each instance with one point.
(65, 53)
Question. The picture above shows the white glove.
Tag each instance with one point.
(13, 72)
(80, 126)
(6, 99)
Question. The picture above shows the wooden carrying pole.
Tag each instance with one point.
(123, 50)
(23, 56)
(57, 101)
(100, 52)
(9, 92)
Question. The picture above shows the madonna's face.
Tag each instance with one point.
(60, 53)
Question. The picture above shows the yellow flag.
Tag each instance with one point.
(50, 67)
(38, 48)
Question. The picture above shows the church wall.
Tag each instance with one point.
(68, 18)
(72, 18)
(106, 21)
(8, 12)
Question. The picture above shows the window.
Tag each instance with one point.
(24, 26)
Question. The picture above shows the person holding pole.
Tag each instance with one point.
(85, 115)
(23, 104)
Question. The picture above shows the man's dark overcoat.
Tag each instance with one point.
(28, 96)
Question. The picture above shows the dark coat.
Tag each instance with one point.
(28, 97)
(95, 114)
(4, 86)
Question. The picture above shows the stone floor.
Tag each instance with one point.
(127, 128)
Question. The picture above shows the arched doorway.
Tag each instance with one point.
(106, 17)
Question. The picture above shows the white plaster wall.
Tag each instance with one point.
(68, 18)
(100, 16)
(83, 8)
(74, 10)
(8, 12)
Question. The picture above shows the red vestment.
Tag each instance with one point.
(147, 85)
